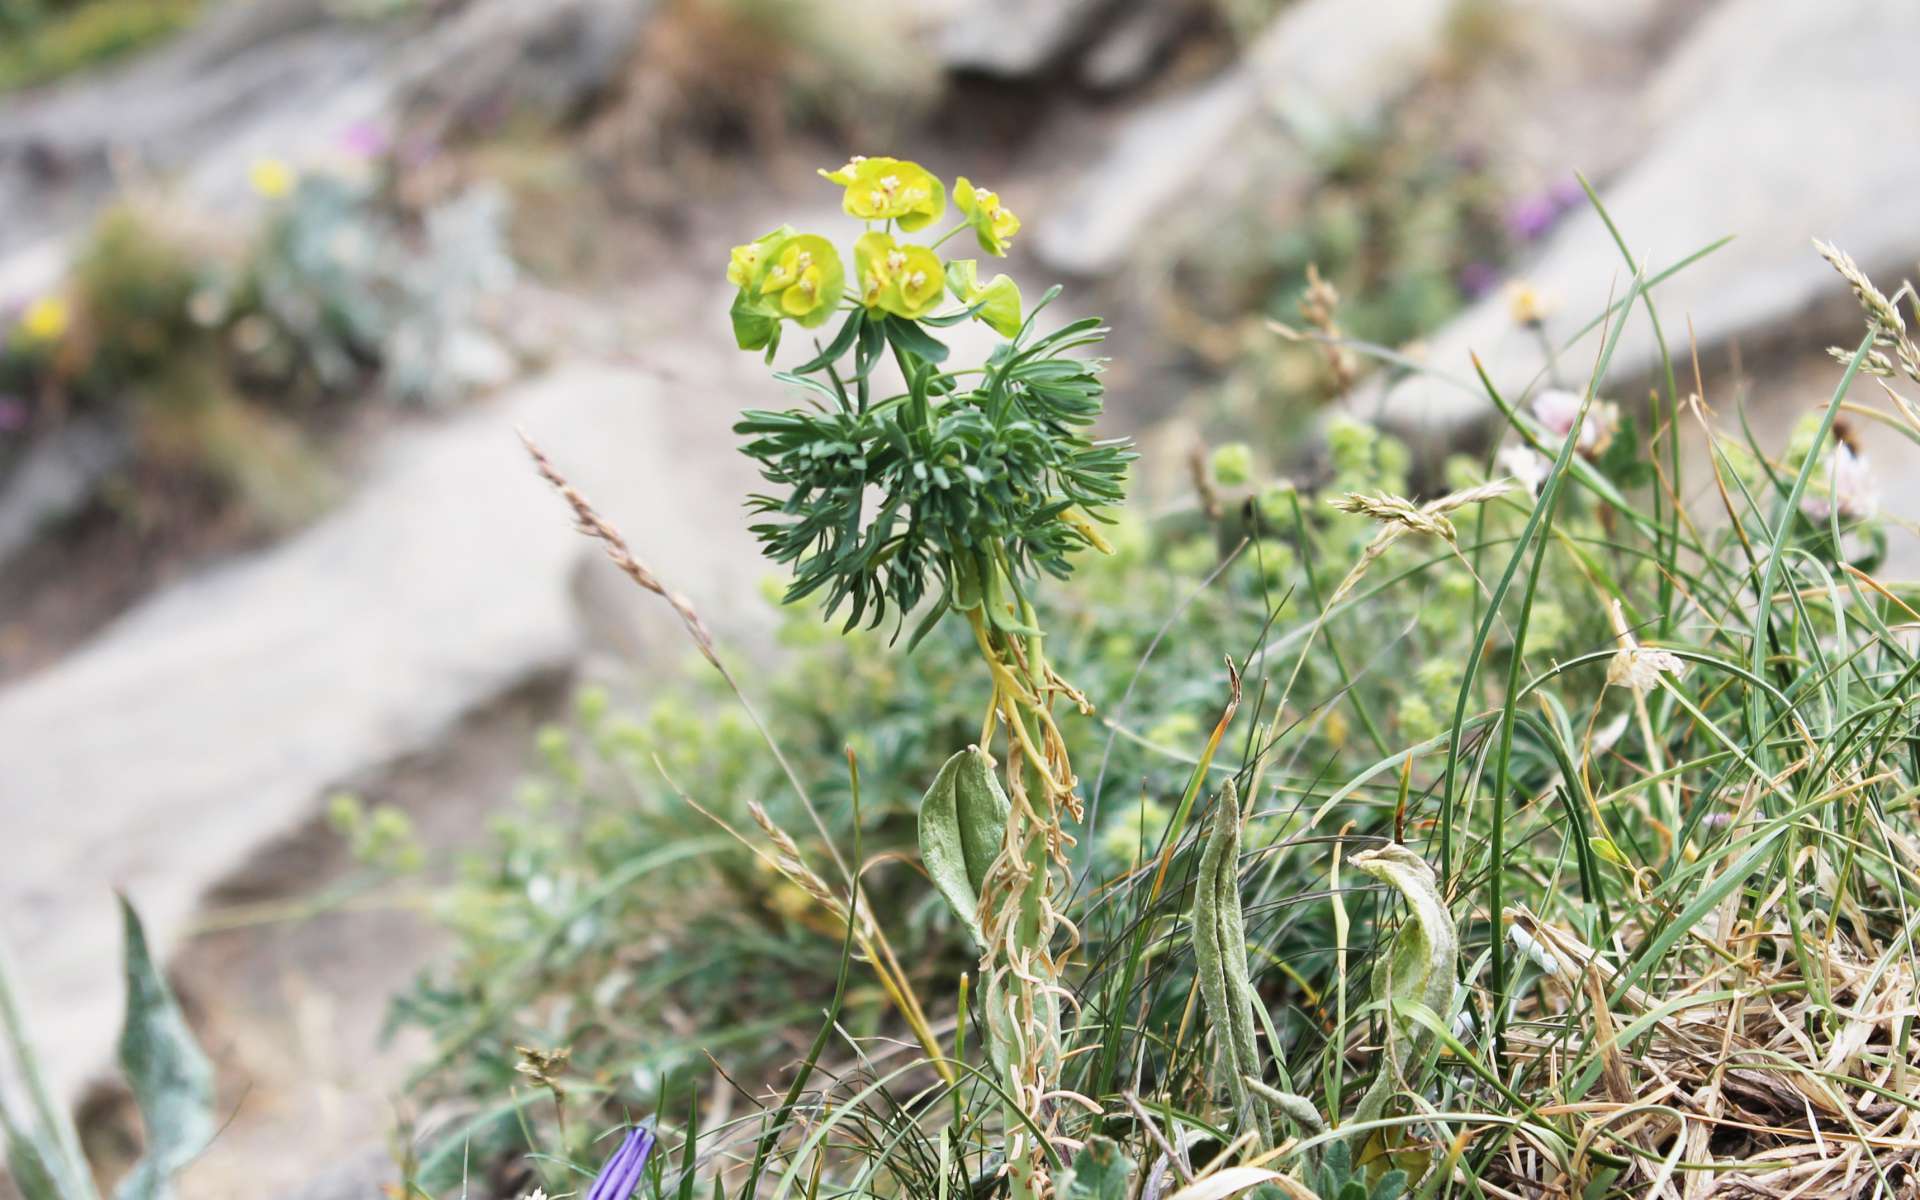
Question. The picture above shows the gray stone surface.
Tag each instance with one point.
(1317, 67)
(282, 79)
(1775, 123)
(53, 478)
(213, 717)
(1014, 37)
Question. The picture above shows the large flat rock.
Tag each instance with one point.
(1776, 123)
(1319, 66)
(212, 718)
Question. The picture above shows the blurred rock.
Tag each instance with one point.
(54, 478)
(202, 97)
(503, 59)
(1317, 67)
(1126, 51)
(286, 79)
(1012, 38)
(1777, 124)
(368, 1174)
(212, 718)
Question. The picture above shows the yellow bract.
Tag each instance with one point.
(998, 299)
(993, 223)
(890, 189)
(903, 280)
(805, 274)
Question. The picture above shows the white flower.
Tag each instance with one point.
(1557, 410)
(535, 1194)
(1528, 466)
(1847, 481)
(1637, 666)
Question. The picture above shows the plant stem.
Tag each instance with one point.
(55, 1125)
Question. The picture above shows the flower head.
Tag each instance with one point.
(998, 299)
(621, 1174)
(745, 262)
(364, 140)
(1846, 482)
(901, 279)
(46, 319)
(271, 178)
(890, 189)
(1637, 666)
(1232, 464)
(1558, 409)
(1526, 304)
(805, 275)
(782, 276)
(1527, 465)
(993, 223)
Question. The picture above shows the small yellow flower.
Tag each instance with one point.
(890, 189)
(998, 298)
(993, 224)
(804, 274)
(271, 178)
(1526, 304)
(46, 319)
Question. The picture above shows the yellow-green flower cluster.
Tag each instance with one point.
(889, 189)
(790, 276)
(993, 224)
(900, 279)
(783, 275)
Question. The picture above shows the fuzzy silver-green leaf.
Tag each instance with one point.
(963, 821)
(172, 1080)
(1421, 968)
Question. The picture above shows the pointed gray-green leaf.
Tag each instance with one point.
(172, 1080)
(1101, 1171)
(1421, 967)
(963, 821)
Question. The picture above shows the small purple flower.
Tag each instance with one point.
(1477, 279)
(1529, 217)
(621, 1174)
(364, 140)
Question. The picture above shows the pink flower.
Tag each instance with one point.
(1557, 409)
(364, 140)
(1846, 480)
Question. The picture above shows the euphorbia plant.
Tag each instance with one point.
(954, 494)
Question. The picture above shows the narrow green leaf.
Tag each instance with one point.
(910, 338)
(32, 1173)
(842, 342)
